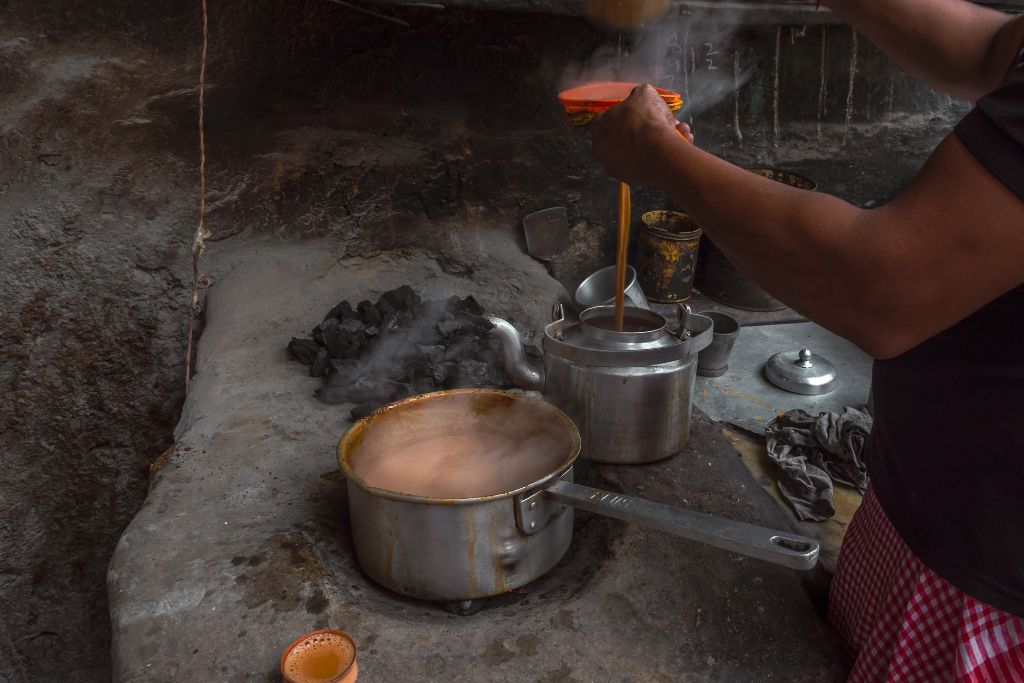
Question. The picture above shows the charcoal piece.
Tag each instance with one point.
(447, 327)
(321, 364)
(477, 324)
(346, 370)
(347, 387)
(303, 350)
(407, 316)
(434, 353)
(428, 336)
(470, 306)
(389, 322)
(435, 374)
(380, 352)
(353, 325)
(424, 381)
(401, 299)
(342, 311)
(335, 389)
(533, 354)
(344, 344)
(368, 313)
(462, 348)
(364, 410)
(490, 356)
(435, 310)
(474, 373)
(326, 326)
(368, 388)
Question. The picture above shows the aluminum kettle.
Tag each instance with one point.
(629, 393)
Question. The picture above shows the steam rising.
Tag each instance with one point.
(462, 446)
(689, 52)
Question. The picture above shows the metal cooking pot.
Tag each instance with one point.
(629, 393)
(452, 549)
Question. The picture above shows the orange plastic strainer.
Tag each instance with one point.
(582, 103)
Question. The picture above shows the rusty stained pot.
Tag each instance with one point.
(666, 255)
(457, 549)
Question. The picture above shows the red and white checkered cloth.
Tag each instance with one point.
(906, 624)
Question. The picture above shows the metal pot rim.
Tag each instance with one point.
(649, 217)
(658, 329)
(353, 436)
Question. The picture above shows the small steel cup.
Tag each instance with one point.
(714, 360)
(599, 290)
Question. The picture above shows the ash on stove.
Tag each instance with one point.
(400, 346)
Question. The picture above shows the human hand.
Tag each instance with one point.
(685, 130)
(626, 136)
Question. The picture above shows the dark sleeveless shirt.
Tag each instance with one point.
(946, 455)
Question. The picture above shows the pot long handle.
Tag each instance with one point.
(789, 550)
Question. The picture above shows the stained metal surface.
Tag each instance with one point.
(626, 415)
(451, 552)
(514, 363)
(744, 397)
(547, 233)
(534, 510)
(629, 393)
(714, 360)
(632, 408)
(451, 549)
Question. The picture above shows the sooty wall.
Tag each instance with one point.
(322, 122)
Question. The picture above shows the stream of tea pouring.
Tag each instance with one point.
(581, 104)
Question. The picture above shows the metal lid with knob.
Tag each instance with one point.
(801, 372)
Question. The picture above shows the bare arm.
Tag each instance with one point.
(954, 45)
(887, 279)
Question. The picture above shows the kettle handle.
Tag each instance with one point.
(683, 313)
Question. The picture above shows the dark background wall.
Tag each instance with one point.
(322, 122)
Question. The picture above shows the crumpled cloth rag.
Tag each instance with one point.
(812, 452)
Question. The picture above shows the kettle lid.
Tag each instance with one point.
(801, 372)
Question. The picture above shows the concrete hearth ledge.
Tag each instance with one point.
(243, 541)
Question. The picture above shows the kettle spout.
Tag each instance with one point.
(513, 359)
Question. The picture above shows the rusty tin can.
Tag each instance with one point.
(666, 255)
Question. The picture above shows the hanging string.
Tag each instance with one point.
(199, 279)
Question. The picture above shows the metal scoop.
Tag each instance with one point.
(547, 233)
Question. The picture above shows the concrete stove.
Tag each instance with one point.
(243, 542)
